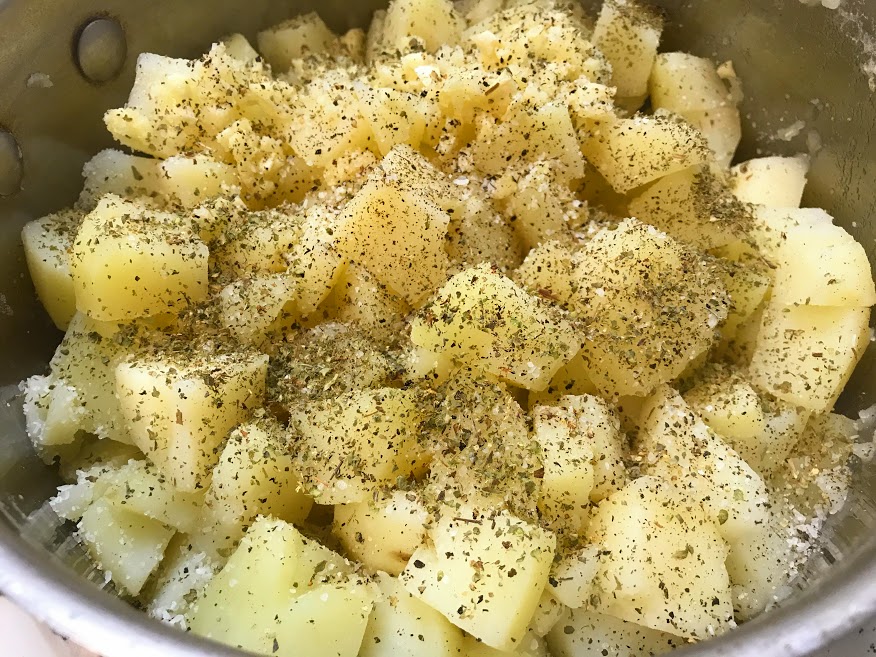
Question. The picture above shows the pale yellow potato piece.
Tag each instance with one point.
(722, 128)
(583, 633)
(536, 208)
(628, 33)
(397, 225)
(188, 181)
(573, 575)
(125, 545)
(239, 47)
(478, 234)
(548, 271)
(773, 181)
(663, 561)
(254, 476)
(817, 263)
(494, 566)
(346, 447)
(469, 89)
(632, 152)
(484, 320)
(731, 408)
(178, 581)
(548, 612)
(530, 646)
(435, 22)
(748, 283)
(383, 534)
(129, 261)
(571, 379)
(395, 117)
(263, 242)
(295, 38)
(251, 307)
(682, 83)
(805, 355)
(47, 242)
(403, 626)
(359, 298)
(180, 409)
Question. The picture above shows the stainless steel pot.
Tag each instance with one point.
(809, 82)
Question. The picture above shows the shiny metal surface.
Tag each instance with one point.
(799, 64)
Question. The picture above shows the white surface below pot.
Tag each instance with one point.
(22, 636)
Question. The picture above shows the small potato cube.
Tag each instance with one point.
(632, 152)
(129, 262)
(239, 47)
(662, 563)
(179, 409)
(189, 181)
(549, 611)
(47, 242)
(722, 128)
(359, 298)
(397, 225)
(684, 83)
(179, 580)
(805, 354)
(481, 234)
(384, 534)
(773, 181)
(539, 209)
(435, 22)
(584, 633)
(572, 577)
(547, 271)
(403, 626)
(125, 545)
(251, 307)
(261, 242)
(730, 407)
(254, 476)
(295, 38)
(494, 567)
(747, 283)
(483, 319)
(817, 263)
(346, 447)
(628, 33)
(571, 379)
(395, 117)
(115, 172)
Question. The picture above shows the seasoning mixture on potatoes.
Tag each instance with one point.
(455, 337)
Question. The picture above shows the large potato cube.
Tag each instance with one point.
(632, 152)
(805, 354)
(348, 446)
(47, 242)
(395, 117)
(128, 261)
(662, 563)
(397, 225)
(484, 320)
(773, 181)
(484, 571)
(295, 38)
(683, 83)
(179, 408)
(435, 22)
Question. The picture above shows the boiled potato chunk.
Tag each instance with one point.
(126, 545)
(51, 411)
(182, 576)
(805, 354)
(46, 244)
(295, 38)
(435, 22)
(484, 571)
(128, 261)
(359, 298)
(748, 283)
(397, 225)
(632, 152)
(571, 379)
(731, 408)
(679, 447)
(483, 319)
(628, 34)
(403, 626)
(179, 409)
(530, 646)
(537, 209)
(395, 117)
(817, 263)
(548, 612)
(662, 563)
(682, 83)
(384, 534)
(722, 128)
(347, 446)
(773, 181)
(649, 317)
(584, 633)
(572, 577)
(254, 476)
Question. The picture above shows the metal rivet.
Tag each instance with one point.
(101, 49)
(11, 166)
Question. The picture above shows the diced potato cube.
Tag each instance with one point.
(403, 626)
(435, 22)
(295, 38)
(649, 318)
(254, 476)
(52, 411)
(128, 262)
(540, 209)
(359, 298)
(125, 545)
(479, 234)
(179, 409)
(628, 33)
(695, 207)
(547, 272)
(251, 307)
(180, 579)
(683, 83)
(662, 563)
(679, 447)
(384, 534)
(589, 634)
(817, 263)
(47, 242)
(348, 446)
(747, 283)
(548, 612)
(805, 354)
(632, 152)
(115, 172)
(189, 181)
(483, 319)
(730, 407)
(571, 379)
(572, 577)
(397, 224)
(465, 573)
(261, 243)
(774, 181)
(467, 90)
(722, 128)
(239, 47)
(785, 424)
(395, 117)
